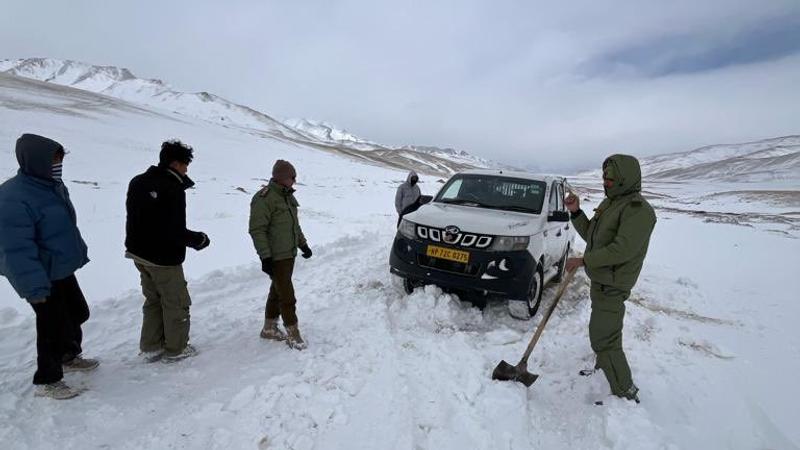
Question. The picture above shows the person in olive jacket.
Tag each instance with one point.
(617, 238)
(156, 241)
(276, 233)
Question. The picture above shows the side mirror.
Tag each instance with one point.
(558, 216)
(425, 199)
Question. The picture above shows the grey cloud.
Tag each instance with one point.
(507, 80)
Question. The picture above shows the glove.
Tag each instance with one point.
(306, 251)
(37, 301)
(200, 241)
(266, 266)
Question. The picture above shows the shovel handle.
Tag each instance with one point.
(561, 289)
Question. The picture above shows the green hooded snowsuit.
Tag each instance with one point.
(617, 238)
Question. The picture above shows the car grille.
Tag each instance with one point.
(460, 239)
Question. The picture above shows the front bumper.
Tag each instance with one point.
(498, 274)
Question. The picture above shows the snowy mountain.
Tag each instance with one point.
(769, 159)
(123, 84)
(776, 159)
(330, 133)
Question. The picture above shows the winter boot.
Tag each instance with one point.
(151, 357)
(187, 352)
(293, 339)
(58, 391)
(271, 331)
(631, 394)
(78, 364)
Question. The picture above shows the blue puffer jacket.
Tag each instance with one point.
(39, 237)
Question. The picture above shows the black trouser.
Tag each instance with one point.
(58, 329)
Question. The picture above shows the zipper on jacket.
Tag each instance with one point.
(294, 222)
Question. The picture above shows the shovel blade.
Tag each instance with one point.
(506, 372)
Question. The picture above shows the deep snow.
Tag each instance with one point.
(710, 329)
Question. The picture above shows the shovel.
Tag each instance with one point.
(505, 371)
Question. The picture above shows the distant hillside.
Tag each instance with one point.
(123, 84)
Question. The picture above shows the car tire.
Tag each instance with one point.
(534, 299)
(562, 264)
(408, 286)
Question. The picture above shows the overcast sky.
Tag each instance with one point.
(556, 85)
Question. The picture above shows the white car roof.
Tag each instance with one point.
(547, 178)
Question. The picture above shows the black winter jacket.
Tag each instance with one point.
(156, 224)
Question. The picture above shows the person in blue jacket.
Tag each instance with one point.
(40, 250)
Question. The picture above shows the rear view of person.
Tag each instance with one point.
(41, 248)
(408, 196)
(156, 240)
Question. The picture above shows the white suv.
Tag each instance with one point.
(494, 233)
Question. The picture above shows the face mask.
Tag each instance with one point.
(58, 169)
(414, 181)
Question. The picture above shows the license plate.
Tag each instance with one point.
(448, 254)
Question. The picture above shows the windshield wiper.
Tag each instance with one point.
(516, 209)
(464, 202)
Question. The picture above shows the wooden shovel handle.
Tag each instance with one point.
(561, 289)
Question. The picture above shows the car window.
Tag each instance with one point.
(494, 192)
(452, 190)
(553, 202)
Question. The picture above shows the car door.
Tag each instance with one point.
(553, 232)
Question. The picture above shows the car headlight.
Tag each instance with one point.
(408, 229)
(510, 243)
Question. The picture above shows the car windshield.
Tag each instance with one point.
(494, 192)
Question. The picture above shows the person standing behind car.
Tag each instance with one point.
(407, 198)
(41, 248)
(617, 238)
(156, 240)
(276, 233)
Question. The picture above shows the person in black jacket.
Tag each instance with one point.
(156, 240)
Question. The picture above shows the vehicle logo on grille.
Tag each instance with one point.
(452, 229)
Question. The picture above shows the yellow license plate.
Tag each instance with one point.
(448, 254)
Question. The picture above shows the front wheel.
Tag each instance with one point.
(408, 286)
(525, 310)
(535, 294)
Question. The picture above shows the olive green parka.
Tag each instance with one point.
(274, 225)
(618, 235)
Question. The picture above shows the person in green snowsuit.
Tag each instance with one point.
(617, 238)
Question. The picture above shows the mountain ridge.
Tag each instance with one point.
(123, 84)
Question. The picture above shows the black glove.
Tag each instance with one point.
(199, 241)
(306, 251)
(266, 266)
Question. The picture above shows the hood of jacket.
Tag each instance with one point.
(626, 174)
(411, 175)
(35, 155)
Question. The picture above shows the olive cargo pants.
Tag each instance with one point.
(605, 335)
(281, 301)
(166, 309)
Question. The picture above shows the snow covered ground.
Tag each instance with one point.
(710, 331)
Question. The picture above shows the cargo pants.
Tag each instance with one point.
(281, 300)
(605, 335)
(165, 324)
